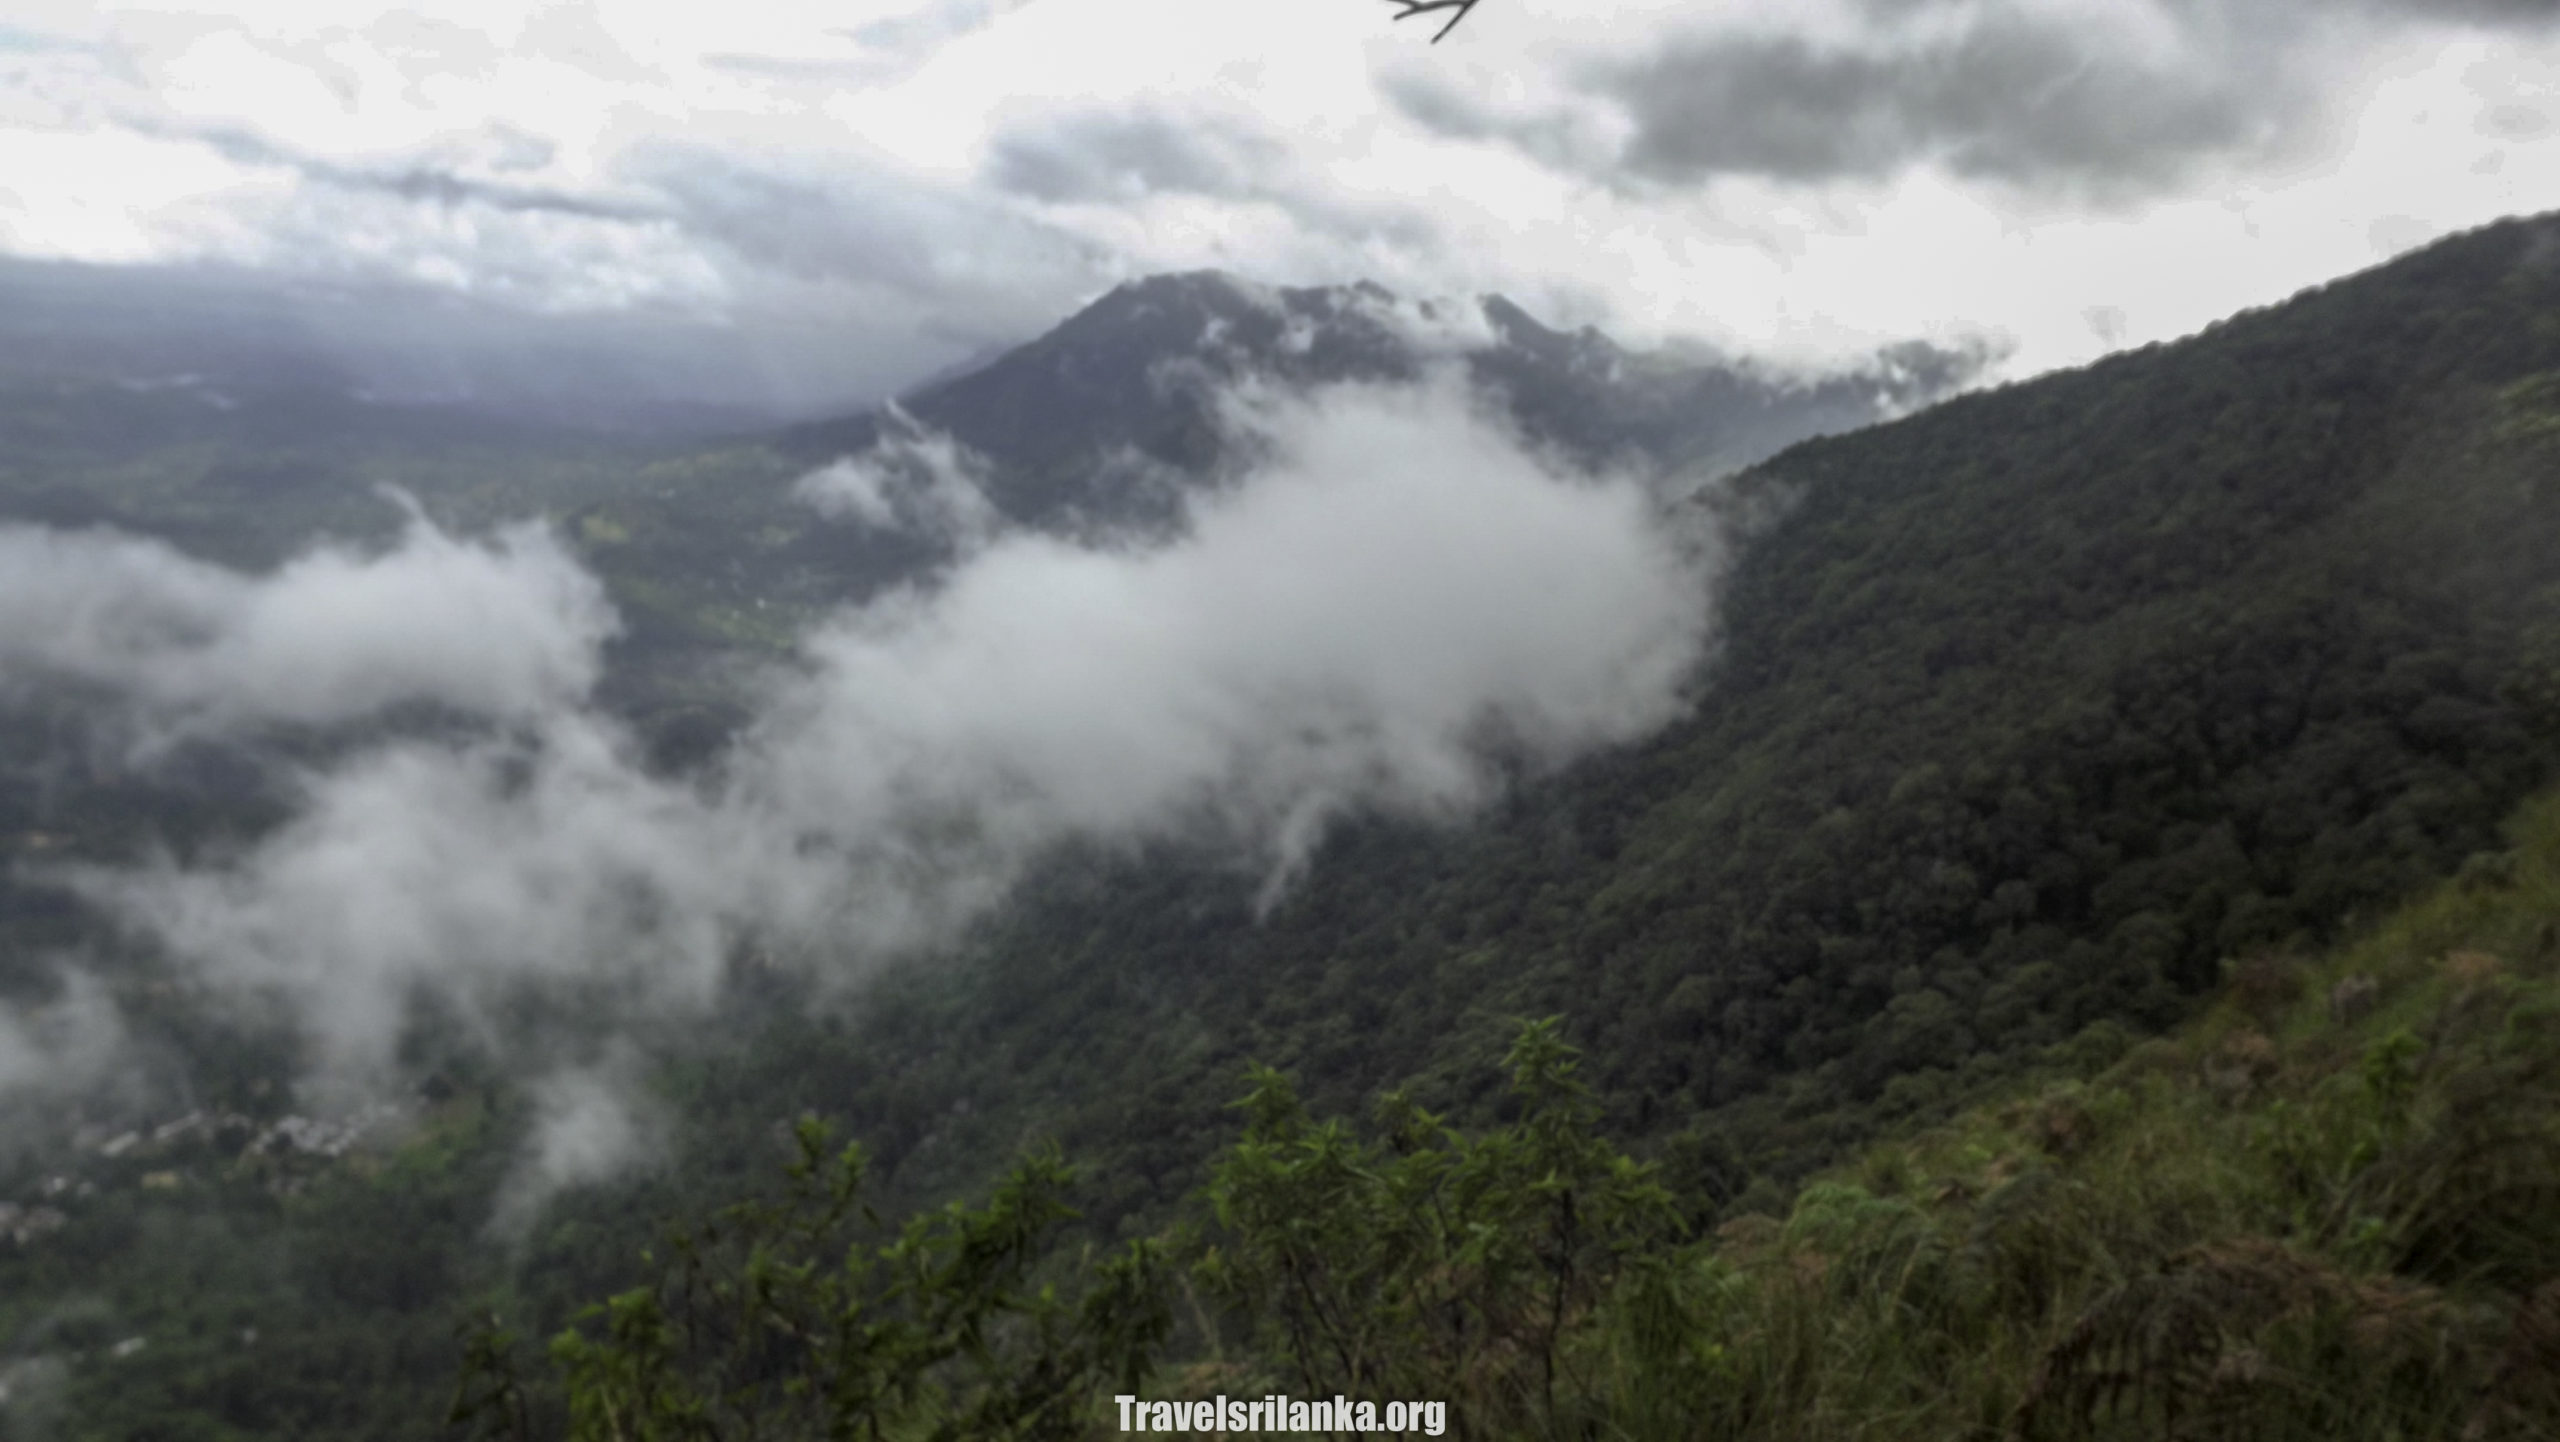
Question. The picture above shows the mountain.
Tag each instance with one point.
(1104, 423)
(2032, 710)
(2323, 1208)
(2031, 713)
(1141, 369)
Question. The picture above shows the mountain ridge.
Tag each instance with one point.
(2252, 649)
(2033, 711)
(1139, 368)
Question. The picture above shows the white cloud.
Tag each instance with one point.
(588, 1126)
(928, 178)
(474, 871)
(1397, 590)
(507, 627)
(69, 1054)
(913, 480)
(1399, 575)
(64, 1048)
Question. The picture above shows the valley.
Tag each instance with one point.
(2032, 748)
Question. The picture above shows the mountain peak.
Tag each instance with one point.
(1140, 369)
(1505, 315)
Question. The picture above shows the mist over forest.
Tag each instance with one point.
(1391, 602)
(1737, 723)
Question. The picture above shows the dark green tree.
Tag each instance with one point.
(1427, 1263)
(788, 1319)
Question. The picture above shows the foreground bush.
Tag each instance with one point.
(2329, 1208)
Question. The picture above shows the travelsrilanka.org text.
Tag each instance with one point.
(1281, 1413)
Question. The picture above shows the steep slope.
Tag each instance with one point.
(2032, 709)
(2325, 1209)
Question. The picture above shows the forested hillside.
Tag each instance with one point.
(2031, 710)
(2028, 717)
(2328, 1207)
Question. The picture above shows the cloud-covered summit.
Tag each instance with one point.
(1084, 423)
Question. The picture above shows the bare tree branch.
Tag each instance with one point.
(1412, 8)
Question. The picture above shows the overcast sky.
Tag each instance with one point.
(1799, 180)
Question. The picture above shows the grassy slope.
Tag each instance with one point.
(2329, 1207)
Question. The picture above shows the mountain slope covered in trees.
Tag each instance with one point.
(2329, 1207)
(2030, 713)
(2031, 710)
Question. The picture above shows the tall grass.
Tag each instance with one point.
(2328, 1209)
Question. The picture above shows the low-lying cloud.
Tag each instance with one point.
(914, 480)
(507, 628)
(1398, 578)
(587, 1128)
(1399, 601)
(68, 1046)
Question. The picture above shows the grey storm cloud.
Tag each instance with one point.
(2035, 96)
(2534, 12)
(2014, 99)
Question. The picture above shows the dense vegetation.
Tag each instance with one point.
(2328, 1208)
(2030, 712)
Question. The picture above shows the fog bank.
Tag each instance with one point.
(1393, 604)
